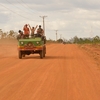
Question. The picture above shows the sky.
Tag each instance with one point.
(67, 18)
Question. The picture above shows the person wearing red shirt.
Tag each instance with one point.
(26, 31)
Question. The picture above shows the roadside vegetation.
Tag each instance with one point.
(75, 40)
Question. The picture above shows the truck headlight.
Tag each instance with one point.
(37, 42)
(21, 43)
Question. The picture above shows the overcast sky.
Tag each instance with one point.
(71, 18)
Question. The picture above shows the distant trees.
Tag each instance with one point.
(10, 34)
(1, 33)
(75, 39)
(60, 40)
(96, 39)
(93, 40)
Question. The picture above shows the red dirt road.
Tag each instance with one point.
(66, 73)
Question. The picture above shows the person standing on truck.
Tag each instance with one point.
(40, 31)
(26, 31)
(32, 29)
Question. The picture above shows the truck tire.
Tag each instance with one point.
(20, 54)
(41, 54)
(44, 51)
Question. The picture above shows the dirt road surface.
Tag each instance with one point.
(66, 73)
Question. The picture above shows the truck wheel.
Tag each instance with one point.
(20, 54)
(44, 51)
(41, 54)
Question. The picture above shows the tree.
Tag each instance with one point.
(96, 39)
(11, 34)
(60, 40)
(76, 39)
(1, 33)
(4, 35)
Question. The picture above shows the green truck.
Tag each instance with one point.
(29, 46)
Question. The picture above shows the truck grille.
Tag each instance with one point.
(29, 45)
